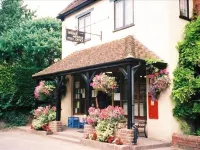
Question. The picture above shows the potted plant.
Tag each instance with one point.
(44, 90)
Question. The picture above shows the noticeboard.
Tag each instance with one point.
(75, 36)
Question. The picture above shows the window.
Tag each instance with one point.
(123, 13)
(84, 25)
(184, 9)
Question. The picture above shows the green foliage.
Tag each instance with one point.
(186, 90)
(198, 132)
(7, 85)
(12, 14)
(16, 98)
(104, 129)
(185, 127)
(15, 118)
(35, 43)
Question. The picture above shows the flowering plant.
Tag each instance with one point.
(42, 117)
(106, 121)
(113, 113)
(103, 82)
(43, 90)
(93, 116)
(159, 81)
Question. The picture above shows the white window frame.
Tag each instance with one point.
(124, 21)
(84, 16)
(182, 16)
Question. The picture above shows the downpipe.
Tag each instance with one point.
(135, 129)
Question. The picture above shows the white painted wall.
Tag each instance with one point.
(158, 27)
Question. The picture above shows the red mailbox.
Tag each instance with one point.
(153, 108)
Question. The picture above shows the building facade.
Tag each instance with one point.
(156, 25)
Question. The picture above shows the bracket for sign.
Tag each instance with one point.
(100, 35)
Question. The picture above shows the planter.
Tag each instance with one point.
(88, 129)
(121, 125)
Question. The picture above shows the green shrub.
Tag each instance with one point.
(186, 90)
(15, 118)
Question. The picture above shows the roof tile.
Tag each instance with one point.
(127, 47)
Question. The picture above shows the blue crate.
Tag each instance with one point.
(81, 124)
(73, 122)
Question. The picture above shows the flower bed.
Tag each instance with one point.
(104, 124)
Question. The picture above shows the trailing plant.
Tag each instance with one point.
(103, 82)
(159, 80)
(186, 90)
(44, 90)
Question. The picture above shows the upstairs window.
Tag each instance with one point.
(84, 25)
(184, 9)
(123, 13)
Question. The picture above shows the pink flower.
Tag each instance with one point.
(53, 108)
(156, 74)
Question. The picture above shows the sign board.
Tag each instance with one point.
(75, 36)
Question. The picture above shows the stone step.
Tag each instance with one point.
(167, 148)
(65, 138)
(153, 146)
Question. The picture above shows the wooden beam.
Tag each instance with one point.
(58, 96)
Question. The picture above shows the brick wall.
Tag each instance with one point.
(88, 129)
(55, 126)
(196, 5)
(126, 135)
(187, 142)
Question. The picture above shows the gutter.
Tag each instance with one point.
(77, 8)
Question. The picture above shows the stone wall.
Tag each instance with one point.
(55, 126)
(187, 142)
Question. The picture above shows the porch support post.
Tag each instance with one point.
(87, 78)
(58, 96)
(133, 70)
(129, 96)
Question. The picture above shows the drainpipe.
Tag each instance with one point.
(135, 130)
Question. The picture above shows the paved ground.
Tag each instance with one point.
(18, 140)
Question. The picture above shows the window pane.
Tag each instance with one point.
(81, 24)
(119, 14)
(136, 109)
(128, 12)
(141, 109)
(87, 29)
(87, 26)
(183, 8)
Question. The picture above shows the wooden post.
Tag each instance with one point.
(87, 78)
(58, 96)
(129, 96)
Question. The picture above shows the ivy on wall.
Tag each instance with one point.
(186, 90)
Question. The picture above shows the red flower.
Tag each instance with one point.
(94, 137)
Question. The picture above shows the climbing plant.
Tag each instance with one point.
(186, 90)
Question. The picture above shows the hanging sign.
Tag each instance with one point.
(75, 36)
